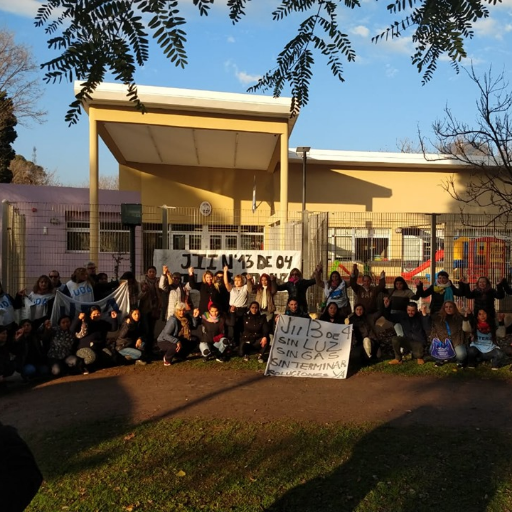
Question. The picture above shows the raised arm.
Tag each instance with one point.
(227, 284)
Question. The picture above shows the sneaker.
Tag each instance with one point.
(85, 372)
(438, 364)
(140, 362)
(494, 368)
(246, 358)
(220, 360)
(166, 363)
(470, 366)
(395, 361)
(261, 360)
(460, 365)
(421, 361)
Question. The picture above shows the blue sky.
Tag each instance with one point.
(381, 102)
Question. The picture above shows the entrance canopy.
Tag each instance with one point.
(188, 128)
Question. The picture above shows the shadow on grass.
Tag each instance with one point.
(412, 469)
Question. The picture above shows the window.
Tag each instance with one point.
(114, 237)
(358, 244)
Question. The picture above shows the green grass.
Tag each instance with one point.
(212, 465)
(408, 368)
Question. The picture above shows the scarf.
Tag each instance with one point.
(444, 289)
(483, 327)
(263, 304)
(185, 328)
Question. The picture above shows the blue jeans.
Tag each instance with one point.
(132, 353)
(30, 370)
(496, 356)
(461, 353)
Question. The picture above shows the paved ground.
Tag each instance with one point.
(154, 392)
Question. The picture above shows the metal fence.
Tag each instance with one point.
(39, 237)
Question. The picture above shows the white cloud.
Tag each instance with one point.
(390, 71)
(242, 76)
(21, 7)
(231, 39)
(361, 30)
(245, 78)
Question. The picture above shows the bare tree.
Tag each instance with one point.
(484, 148)
(105, 182)
(19, 80)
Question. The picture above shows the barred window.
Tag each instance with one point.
(114, 237)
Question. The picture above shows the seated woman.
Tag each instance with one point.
(255, 335)
(7, 367)
(448, 340)
(482, 346)
(62, 343)
(31, 359)
(364, 334)
(332, 314)
(91, 331)
(293, 309)
(130, 342)
(176, 340)
(214, 343)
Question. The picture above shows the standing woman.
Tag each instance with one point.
(297, 286)
(80, 287)
(484, 295)
(399, 298)
(7, 307)
(133, 289)
(209, 292)
(43, 297)
(238, 294)
(335, 290)
(265, 292)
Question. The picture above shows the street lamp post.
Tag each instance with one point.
(303, 152)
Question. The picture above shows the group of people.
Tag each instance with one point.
(465, 337)
(227, 323)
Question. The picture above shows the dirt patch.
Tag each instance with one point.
(154, 392)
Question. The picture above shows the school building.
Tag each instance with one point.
(214, 172)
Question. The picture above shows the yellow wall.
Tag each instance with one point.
(328, 189)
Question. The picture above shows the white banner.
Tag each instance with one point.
(118, 301)
(304, 347)
(255, 263)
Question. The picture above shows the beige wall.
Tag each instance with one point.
(328, 189)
